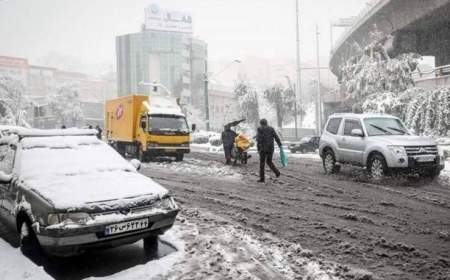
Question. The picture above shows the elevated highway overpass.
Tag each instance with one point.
(420, 26)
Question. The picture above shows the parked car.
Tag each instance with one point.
(306, 144)
(379, 142)
(66, 192)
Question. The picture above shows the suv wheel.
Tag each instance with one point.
(29, 244)
(377, 167)
(329, 163)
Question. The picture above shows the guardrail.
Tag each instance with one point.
(439, 71)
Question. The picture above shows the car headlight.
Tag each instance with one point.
(75, 218)
(165, 203)
(398, 150)
(52, 219)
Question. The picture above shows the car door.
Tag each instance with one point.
(352, 146)
(7, 154)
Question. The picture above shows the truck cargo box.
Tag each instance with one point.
(121, 117)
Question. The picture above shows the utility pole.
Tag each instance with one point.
(319, 97)
(298, 92)
(206, 96)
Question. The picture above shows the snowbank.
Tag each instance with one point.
(198, 167)
(15, 266)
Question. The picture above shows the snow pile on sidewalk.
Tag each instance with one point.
(15, 266)
(197, 167)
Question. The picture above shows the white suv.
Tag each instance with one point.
(379, 142)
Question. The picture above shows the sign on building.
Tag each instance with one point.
(166, 20)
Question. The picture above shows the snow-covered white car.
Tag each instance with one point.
(66, 192)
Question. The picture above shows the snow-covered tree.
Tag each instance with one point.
(282, 100)
(13, 102)
(65, 105)
(247, 99)
(429, 112)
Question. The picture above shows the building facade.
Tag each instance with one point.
(165, 52)
(40, 82)
(222, 106)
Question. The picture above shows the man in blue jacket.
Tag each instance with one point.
(265, 137)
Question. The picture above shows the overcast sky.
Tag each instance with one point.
(232, 28)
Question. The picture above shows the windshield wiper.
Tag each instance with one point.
(381, 129)
(398, 130)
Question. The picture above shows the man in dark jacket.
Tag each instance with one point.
(265, 138)
(228, 136)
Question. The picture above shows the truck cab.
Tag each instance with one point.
(147, 127)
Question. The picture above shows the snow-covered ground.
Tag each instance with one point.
(206, 247)
(14, 265)
(197, 167)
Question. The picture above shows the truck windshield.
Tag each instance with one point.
(384, 126)
(162, 123)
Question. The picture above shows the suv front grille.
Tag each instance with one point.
(421, 150)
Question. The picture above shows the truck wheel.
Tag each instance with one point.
(377, 167)
(179, 157)
(329, 162)
(29, 245)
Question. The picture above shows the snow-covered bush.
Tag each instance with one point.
(282, 100)
(429, 112)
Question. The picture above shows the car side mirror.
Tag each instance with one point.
(5, 178)
(136, 164)
(194, 127)
(357, 132)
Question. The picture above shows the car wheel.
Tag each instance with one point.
(292, 151)
(377, 167)
(151, 246)
(179, 157)
(29, 245)
(329, 163)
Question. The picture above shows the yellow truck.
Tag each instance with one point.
(147, 127)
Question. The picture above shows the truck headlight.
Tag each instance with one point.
(75, 218)
(398, 150)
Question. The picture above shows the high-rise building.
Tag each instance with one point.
(163, 51)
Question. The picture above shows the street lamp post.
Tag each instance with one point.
(206, 80)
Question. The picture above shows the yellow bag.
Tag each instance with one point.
(242, 142)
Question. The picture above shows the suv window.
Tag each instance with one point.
(349, 125)
(333, 125)
(7, 153)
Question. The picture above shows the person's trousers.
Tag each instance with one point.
(266, 157)
(227, 149)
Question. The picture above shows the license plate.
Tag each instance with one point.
(126, 226)
(426, 158)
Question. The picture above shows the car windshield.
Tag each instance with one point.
(384, 126)
(67, 155)
(167, 123)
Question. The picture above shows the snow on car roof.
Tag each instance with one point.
(32, 132)
(72, 171)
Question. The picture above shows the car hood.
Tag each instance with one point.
(404, 140)
(98, 191)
